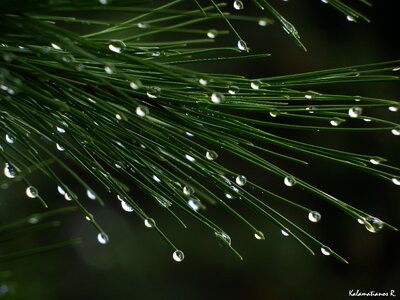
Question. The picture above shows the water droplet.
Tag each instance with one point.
(259, 235)
(67, 197)
(373, 224)
(59, 147)
(203, 81)
(289, 181)
(262, 22)
(55, 46)
(142, 111)
(242, 45)
(217, 98)
(60, 129)
(336, 121)
(367, 120)
(188, 134)
(241, 180)
(238, 4)
(233, 89)
(10, 138)
(149, 223)
(324, 1)
(153, 92)
(361, 220)
(116, 46)
(396, 180)
(126, 207)
(33, 220)
(223, 237)
(135, 84)
(256, 84)
(394, 108)
(9, 171)
(395, 69)
(60, 190)
(194, 204)
(350, 19)
(284, 233)
(326, 250)
(178, 256)
(314, 216)
(355, 112)
(31, 192)
(190, 158)
(102, 238)
(90, 195)
(109, 69)
(212, 33)
(396, 130)
(211, 155)
(376, 160)
(188, 190)
(308, 96)
(156, 179)
(274, 113)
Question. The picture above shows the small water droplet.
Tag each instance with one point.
(10, 138)
(126, 207)
(396, 130)
(376, 160)
(355, 112)
(9, 171)
(255, 84)
(178, 256)
(67, 197)
(190, 158)
(289, 181)
(60, 190)
(361, 220)
(55, 46)
(60, 129)
(284, 232)
(212, 33)
(109, 69)
(194, 204)
(395, 69)
(188, 134)
(31, 192)
(274, 113)
(308, 96)
(233, 89)
(223, 237)
(396, 180)
(326, 250)
(242, 45)
(211, 155)
(59, 147)
(156, 179)
(90, 195)
(336, 121)
(259, 235)
(116, 46)
(238, 5)
(188, 190)
(143, 25)
(350, 19)
(373, 224)
(203, 81)
(314, 216)
(394, 108)
(33, 220)
(241, 180)
(262, 22)
(135, 84)
(142, 111)
(102, 238)
(153, 92)
(149, 223)
(217, 98)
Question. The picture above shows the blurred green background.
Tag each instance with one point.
(137, 264)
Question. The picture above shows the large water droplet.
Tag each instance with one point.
(355, 112)
(314, 216)
(255, 84)
(142, 111)
(241, 180)
(188, 190)
(396, 180)
(102, 238)
(289, 181)
(394, 108)
(153, 92)
(149, 223)
(116, 46)
(126, 207)
(238, 5)
(178, 256)
(326, 250)
(373, 224)
(212, 33)
(217, 98)
(396, 130)
(242, 45)
(90, 195)
(9, 171)
(223, 237)
(10, 138)
(211, 155)
(31, 192)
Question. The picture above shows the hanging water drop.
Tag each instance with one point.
(376, 160)
(142, 111)
(211, 155)
(9, 171)
(241, 180)
(178, 256)
(396, 130)
(126, 207)
(188, 190)
(259, 235)
(190, 158)
(336, 121)
(373, 224)
(350, 19)
(396, 180)
(361, 220)
(153, 92)
(223, 237)
(149, 223)
(212, 33)
(116, 46)
(60, 129)
(90, 195)
(217, 98)
(238, 5)
(194, 204)
(10, 138)
(102, 238)
(203, 81)
(55, 46)
(60, 190)
(59, 147)
(233, 89)
(31, 192)
(67, 197)
(355, 112)
(394, 108)
(284, 232)
(274, 113)
(262, 22)
(326, 250)
(256, 84)
(135, 84)
(289, 181)
(314, 216)
(109, 69)
(242, 45)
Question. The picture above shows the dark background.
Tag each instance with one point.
(136, 264)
